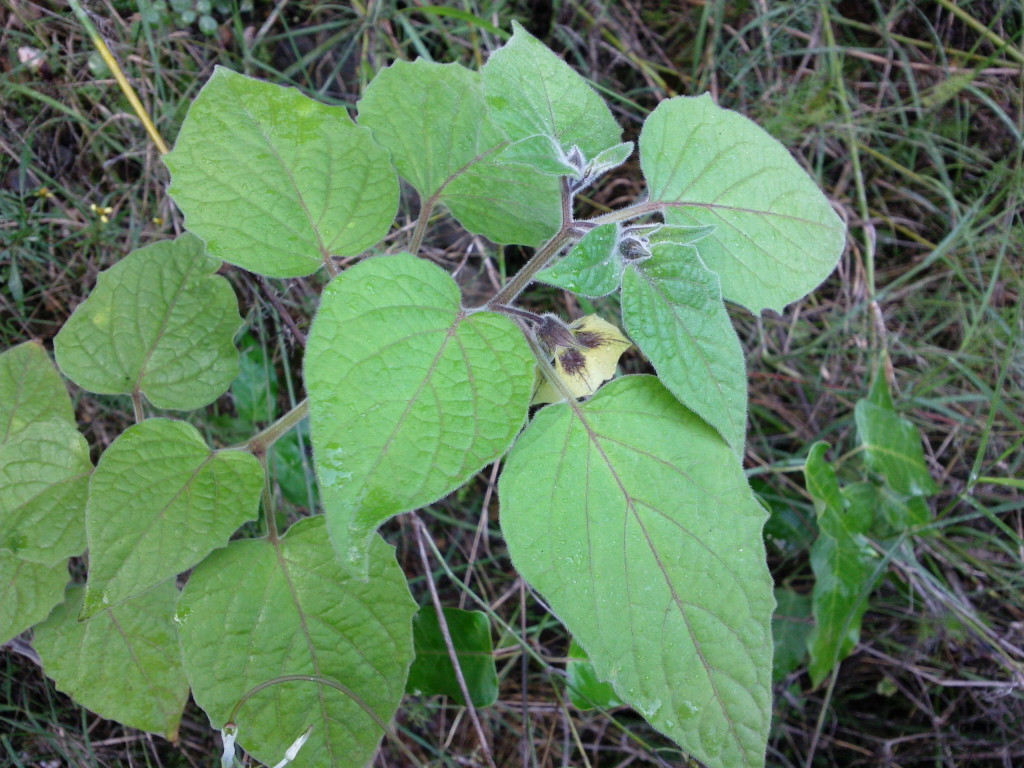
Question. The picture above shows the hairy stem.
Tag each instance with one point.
(268, 499)
(634, 211)
(260, 442)
(140, 414)
(426, 209)
(540, 259)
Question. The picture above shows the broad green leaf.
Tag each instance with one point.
(432, 672)
(633, 519)
(844, 568)
(530, 91)
(432, 119)
(672, 307)
(892, 446)
(776, 236)
(586, 690)
(28, 591)
(160, 500)
(791, 626)
(159, 322)
(44, 482)
(593, 267)
(409, 394)
(31, 390)
(259, 610)
(275, 182)
(124, 664)
(254, 390)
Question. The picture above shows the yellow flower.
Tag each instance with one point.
(585, 366)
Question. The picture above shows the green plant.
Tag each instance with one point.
(861, 525)
(629, 509)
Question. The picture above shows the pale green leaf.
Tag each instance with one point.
(610, 158)
(593, 267)
(432, 671)
(259, 610)
(28, 591)
(586, 690)
(633, 519)
(432, 119)
(275, 182)
(791, 626)
(31, 390)
(843, 564)
(409, 394)
(44, 482)
(672, 307)
(530, 91)
(160, 322)
(124, 664)
(541, 153)
(160, 500)
(776, 236)
(892, 446)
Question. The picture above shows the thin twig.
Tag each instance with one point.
(443, 624)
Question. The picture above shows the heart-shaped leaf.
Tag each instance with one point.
(409, 394)
(44, 482)
(159, 322)
(275, 182)
(124, 664)
(160, 500)
(28, 591)
(259, 610)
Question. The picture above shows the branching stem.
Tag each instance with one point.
(261, 441)
(540, 259)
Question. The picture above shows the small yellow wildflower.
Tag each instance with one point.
(585, 366)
